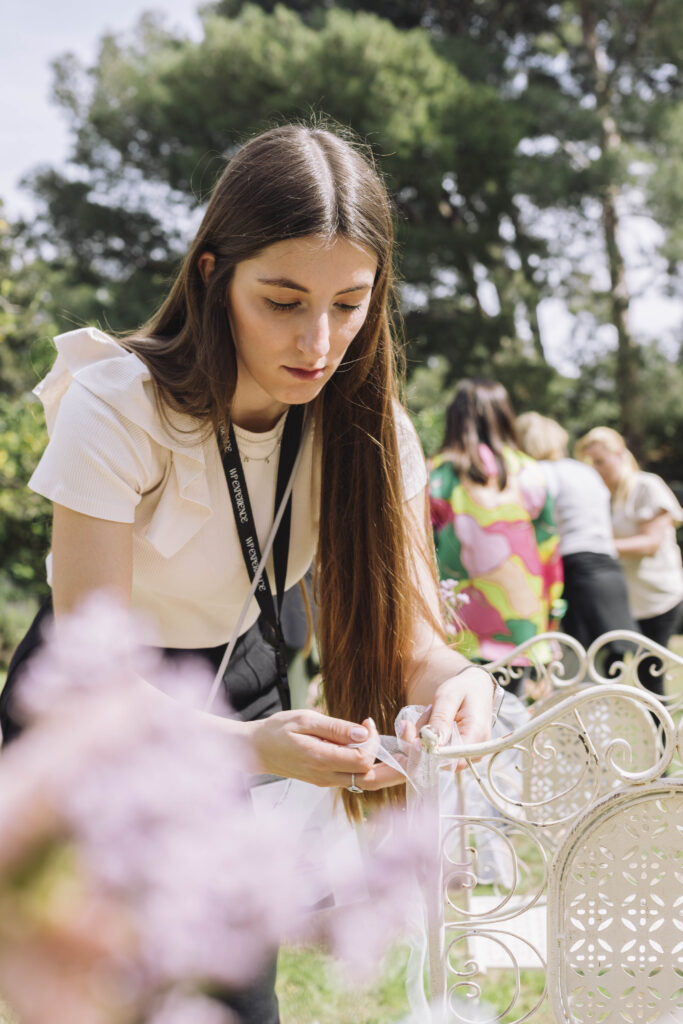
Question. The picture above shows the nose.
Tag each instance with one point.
(314, 337)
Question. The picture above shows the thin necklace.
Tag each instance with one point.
(268, 457)
(261, 458)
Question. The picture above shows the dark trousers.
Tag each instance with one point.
(256, 1004)
(659, 628)
(10, 726)
(597, 601)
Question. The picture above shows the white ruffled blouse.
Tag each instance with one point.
(654, 582)
(111, 456)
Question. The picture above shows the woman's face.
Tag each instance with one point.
(606, 462)
(294, 310)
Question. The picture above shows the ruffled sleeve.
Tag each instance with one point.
(651, 497)
(110, 455)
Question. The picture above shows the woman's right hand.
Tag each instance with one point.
(315, 748)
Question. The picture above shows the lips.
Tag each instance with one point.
(302, 374)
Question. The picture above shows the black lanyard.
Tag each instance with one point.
(271, 610)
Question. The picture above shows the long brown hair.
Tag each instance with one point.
(295, 181)
(480, 413)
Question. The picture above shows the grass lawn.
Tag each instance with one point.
(311, 991)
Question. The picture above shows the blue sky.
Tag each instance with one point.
(32, 129)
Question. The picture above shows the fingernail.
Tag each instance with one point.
(372, 723)
(358, 733)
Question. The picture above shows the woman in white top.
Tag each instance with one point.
(644, 516)
(284, 302)
(594, 586)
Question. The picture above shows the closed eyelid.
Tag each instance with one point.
(274, 304)
(296, 303)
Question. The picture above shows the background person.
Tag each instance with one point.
(594, 586)
(282, 307)
(644, 514)
(493, 526)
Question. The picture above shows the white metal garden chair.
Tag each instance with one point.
(592, 834)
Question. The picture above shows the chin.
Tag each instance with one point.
(303, 394)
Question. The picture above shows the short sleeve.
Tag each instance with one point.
(651, 497)
(413, 465)
(97, 461)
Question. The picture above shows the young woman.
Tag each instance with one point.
(645, 513)
(493, 524)
(167, 448)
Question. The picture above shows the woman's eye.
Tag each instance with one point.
(346, 308)
(281, 306)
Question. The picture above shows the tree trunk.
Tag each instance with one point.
(627, 379)
(628, 383)
(531, 296)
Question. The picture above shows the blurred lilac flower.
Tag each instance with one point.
(101, 644)
(155, 798)
(360, 932)
(160, 807)
(451, 603)
(177, 1008)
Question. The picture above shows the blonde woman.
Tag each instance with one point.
(644, 516)
(594, 586)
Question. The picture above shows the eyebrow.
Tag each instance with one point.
(285, 282)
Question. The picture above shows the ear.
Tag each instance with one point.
(206, 264)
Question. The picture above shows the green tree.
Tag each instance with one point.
(25, 354)
(512, 136)
(146, 116)
(592, 81)
(621, 61)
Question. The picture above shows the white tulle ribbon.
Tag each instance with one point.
(308, 807)
(427, 784)
(419, 767)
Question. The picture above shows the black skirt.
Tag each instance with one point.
(595, 592)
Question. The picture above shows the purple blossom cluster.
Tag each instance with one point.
(188, 886)
(359, 932)
(451, 602)
(179, 1008)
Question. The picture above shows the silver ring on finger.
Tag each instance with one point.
(353, 788)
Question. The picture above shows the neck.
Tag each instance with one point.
(258, 420)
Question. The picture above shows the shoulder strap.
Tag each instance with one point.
(291, 451)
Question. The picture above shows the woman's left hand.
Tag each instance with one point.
(466, 700)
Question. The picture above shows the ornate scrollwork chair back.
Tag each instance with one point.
(533, 809)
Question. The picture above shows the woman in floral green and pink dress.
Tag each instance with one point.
(493, 527)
